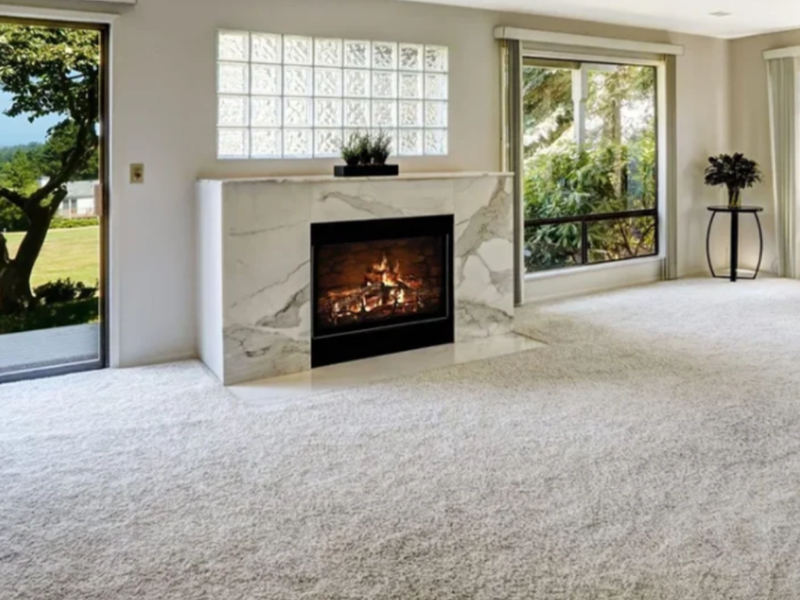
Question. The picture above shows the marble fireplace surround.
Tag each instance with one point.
(254, 257)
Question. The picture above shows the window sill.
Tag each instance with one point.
(592, 268)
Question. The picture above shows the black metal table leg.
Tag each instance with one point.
(708, 244)
(734, 245)
(734, 212)
(760, 245)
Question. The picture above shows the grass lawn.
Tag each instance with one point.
(67, 253)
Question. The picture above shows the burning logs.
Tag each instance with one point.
(385, 293)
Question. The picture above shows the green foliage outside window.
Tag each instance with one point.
(614, 171)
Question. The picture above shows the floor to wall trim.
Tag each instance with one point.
(565, 283)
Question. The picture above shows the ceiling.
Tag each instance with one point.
(747, 17)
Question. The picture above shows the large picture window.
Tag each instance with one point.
(283, 96)
(590, 163)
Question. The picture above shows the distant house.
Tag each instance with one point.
(80, 200)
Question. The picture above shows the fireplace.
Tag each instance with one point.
(380, 286)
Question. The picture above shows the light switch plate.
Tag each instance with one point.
(137, 173)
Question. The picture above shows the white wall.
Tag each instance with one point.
(703, 116)
(164, 116)
(750, 122)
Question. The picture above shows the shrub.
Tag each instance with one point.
(62, 223)
(63, 290)
(76, 312)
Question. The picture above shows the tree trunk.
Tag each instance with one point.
(15, 275)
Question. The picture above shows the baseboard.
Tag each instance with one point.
(159, 360)
(566, 283)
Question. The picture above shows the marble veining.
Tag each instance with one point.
(266, 263)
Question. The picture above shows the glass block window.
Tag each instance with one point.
(287, 96)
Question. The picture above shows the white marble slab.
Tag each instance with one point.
(265, 393)
(266, 264)
(327, 178)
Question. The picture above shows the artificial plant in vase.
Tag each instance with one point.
(734, 172)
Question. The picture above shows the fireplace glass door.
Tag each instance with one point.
(381, 286)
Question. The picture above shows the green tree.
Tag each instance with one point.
(47, 71)
(614, 171)
(548, 109)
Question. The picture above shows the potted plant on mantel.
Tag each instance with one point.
(735, 172)
(366, 156)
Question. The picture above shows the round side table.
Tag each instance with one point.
(735, 211)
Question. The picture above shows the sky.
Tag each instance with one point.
(18, 130)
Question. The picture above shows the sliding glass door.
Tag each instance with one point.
(52, 198)
(590, 157)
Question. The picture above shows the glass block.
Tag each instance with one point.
(265, 111)
(410, 114)
(436, 59)
(233, 45)
(328, 52)
(266, 79)
(356, 113)
(384, 84)
(411, 57)
(392, 133)
(266, 143)
(356, 54)
(297, 112)
(356, 84)
(436, 87)
(232, 143)
(327, 142)
(327, 112)
(349, 132)
(410, 142)
(232, 78)
(297, 81)
(232, 111)
(384, 114)
(436, 142)
(410, 85)
(436, 114)
(328, 83)
(297, 143)
(266, 48)
(297, 50)
(384, 55)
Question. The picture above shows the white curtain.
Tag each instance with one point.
(783, 82)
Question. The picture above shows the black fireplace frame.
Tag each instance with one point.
(339, 347)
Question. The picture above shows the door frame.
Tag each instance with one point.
(103, 23)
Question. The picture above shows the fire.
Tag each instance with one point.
(386, 292)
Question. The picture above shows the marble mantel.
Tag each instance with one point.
(254, 255)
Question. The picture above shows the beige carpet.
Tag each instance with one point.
(652, 451)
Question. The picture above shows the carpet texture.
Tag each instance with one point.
(652, 451)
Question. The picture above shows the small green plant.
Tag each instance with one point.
(380, 148)
(734, 172)
(365, 150)
(351, 150)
